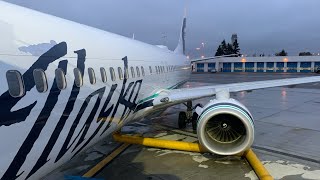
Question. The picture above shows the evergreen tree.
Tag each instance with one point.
(229, 49)
(219, 51)
(305, 54)
(282, 53)
(236, 49)
(224, 47)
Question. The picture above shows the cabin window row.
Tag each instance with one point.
(17, 89)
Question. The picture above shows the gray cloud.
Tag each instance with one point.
(262, 26)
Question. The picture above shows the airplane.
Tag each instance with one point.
(65, 86)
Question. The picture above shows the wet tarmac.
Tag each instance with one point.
(287, 138)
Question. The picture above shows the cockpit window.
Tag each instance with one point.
(138, 71)
(142, 71)
(112, 74)
(120, 73)
(103, 74)
(92, 76)
(77, 77)
(132, 72)
(60, 79)
(40, 80)
(15, 83)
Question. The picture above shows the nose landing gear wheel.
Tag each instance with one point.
(182, 121)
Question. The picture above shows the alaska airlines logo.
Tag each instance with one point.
(127, 97)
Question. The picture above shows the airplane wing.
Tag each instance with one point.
(213, 57)
(176, 96)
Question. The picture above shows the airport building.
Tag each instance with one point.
(292, 64)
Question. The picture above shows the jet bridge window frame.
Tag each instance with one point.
(15, 83)
(40, 80)
(103, 73)
(78, 79)
(92, 76)
(60, 79)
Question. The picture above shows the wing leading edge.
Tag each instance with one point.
(171, 97)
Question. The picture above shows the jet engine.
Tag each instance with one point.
(225, 127)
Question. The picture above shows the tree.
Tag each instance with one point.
(224, 47)
(219, 51)
(229, 49)
(305, 54)
(282, 53)
(236, 49)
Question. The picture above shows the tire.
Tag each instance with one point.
(182, 121)
(194, 121)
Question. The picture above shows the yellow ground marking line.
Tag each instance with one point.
(251, 157)
(159, 143)
(257, 165)
(93, 171)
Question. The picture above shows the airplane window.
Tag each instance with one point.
(120, 73)
(40, 80)
(150, 69)
(132, 72)
(77, 77)
(142, 71)
(92, 76)
(60, 79)
(138, 71)
(112, 74)
(156, 69)
(159, 69)
(103, 74)
(167, 68)
(15, 83)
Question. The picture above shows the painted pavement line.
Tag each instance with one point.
(93, 171)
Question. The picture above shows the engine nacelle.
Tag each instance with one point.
(225, 127)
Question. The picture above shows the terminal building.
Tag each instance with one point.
(294, 64)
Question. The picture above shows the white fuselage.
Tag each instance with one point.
(39, 131)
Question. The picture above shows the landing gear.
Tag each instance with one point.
(189, 116)
(194, 121)
(182, 121)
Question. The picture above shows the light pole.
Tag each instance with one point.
(202, 49)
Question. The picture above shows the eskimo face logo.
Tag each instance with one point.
(127, 97)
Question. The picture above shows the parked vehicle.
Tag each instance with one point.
(213, 70)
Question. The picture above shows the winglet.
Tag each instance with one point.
(181, 47)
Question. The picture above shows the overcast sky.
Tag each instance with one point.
(262, 26)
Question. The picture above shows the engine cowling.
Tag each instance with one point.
(225, 127)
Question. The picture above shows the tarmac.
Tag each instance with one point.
(287, 138)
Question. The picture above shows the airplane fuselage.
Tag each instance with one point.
(89, 84)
